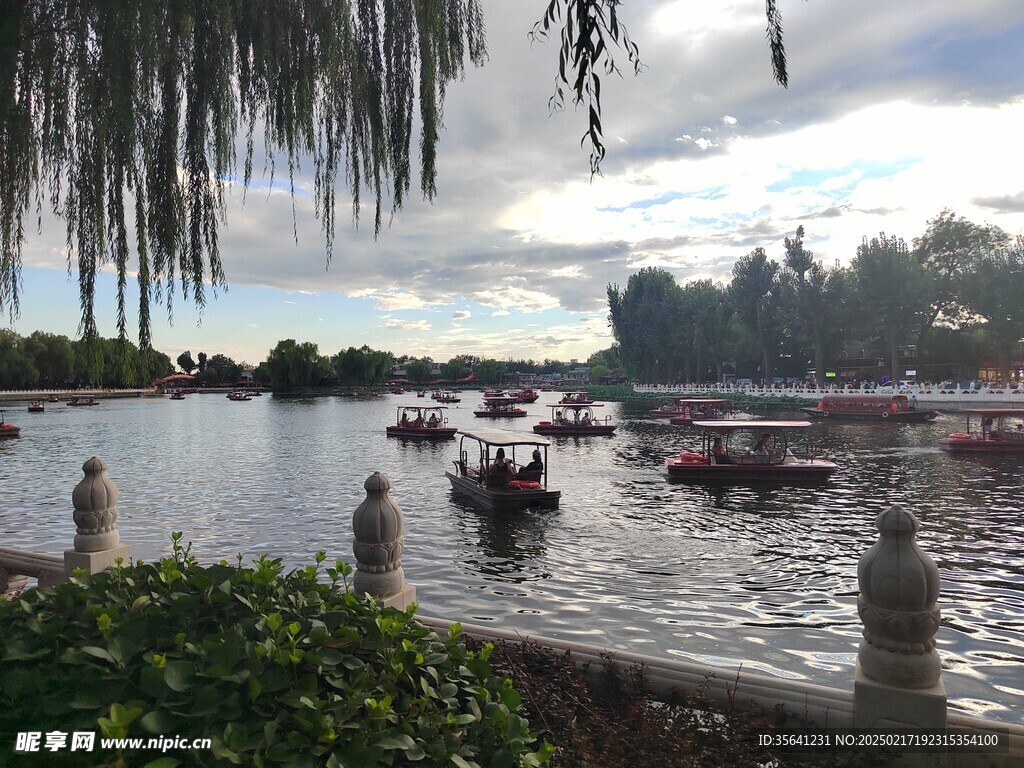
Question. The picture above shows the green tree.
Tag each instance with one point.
(645, 320)
(261, 374)
(597, 372)
(185, 362)
(994, 291)
(418, 370)
(817, 299)
(296, 366)
(892, 293)
(152, 365)
(707, 309)
(53, 356)
(201, 362)
(755, 289)
(221, 369)
(17, 370)
(455, 369)
(363, 366)
(610, 357)
(950, 250)
(490, 372)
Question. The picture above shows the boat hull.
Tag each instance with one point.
(422, 433)
(977, 445)
(490, 414)
(9, 430)
(782, 474)
(898, 416)
(563, 430)
(686, 421)
(660, 414)
(499, 499)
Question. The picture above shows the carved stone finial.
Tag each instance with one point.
(899, 587)
(377, 524)
(95, 502)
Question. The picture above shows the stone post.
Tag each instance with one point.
(98, 543)
(377, 524)
(898, 681)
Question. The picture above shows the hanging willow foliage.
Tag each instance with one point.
(124, 115)
(590, 29)
(115, 112)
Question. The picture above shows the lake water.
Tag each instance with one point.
(762, 576)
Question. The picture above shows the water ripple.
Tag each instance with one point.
(765, 578)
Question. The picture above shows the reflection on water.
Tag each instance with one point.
(759, 575)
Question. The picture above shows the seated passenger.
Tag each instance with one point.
(534, 466)
(502, 467)
(718, 452)
(585, 421)
(433, 420)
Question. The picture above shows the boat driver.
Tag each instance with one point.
(761, 447)
(534, 466)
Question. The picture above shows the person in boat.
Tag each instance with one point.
(502, 466)
(419, 421)
(585, 421)
(405, 419)
(761, 447)
(718, 452)
(433, 420)
(536, 465)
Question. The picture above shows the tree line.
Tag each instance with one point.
(50, 361)
(292, 365)
(956, 291)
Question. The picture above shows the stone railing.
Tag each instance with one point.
(898, 682)
(97, 544)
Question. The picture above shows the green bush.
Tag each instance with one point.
(276, 669)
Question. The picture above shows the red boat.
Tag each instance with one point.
(989, 430)
(678, 407)
(698, 409)
(869, 406)
(575, 420)
(526, 395)
(496, 408)
(444, 396)
(421, 423)
(7, 429)
(772, 459)
(576, 398)
(474, 479)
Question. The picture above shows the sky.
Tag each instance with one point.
(894, 112)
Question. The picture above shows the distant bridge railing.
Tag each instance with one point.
(957, 397)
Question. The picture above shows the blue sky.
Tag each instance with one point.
(894, 112)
